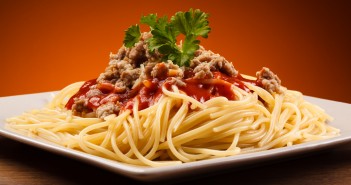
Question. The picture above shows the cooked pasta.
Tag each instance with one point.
(179, 129)
(162, 103)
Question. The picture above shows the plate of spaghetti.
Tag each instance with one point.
(164, 108)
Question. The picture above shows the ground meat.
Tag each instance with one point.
(123, 66)
(202, 71)
(215, 63)
(137, 54)
(147, 70)
(268, 80)
(93, 92)
(160, 71)
(110, 73)
(152, 56)
(119, 70)
(120, 87)
(120, 54)
(129, 76)
(199, 51)
(177, 81)
(224, 66)
(204, 56)
(80, 106)
(107, 109)
(180, 72)
(123, 69)
(194, 63)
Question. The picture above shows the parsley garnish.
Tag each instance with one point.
(191, 24)
(132, 36)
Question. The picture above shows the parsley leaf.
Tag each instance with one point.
(191, 24)
(132, 36)
(163, 37)
(150, 20)
(190, 45)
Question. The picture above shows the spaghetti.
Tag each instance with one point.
(158, 103)
(171, 131)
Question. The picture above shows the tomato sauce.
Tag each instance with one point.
(149, 91)
(82, 91)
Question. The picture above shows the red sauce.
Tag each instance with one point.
(220, 85)
(108, 95)
(150, 95)
(237, 80)
(150, 90)
(204, 91)
(82, 91)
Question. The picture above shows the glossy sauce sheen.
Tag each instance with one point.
(150, 91)
(82, 91)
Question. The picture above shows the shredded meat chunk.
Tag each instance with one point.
(110, 72)
(202, 71)
(127, 62)
(120, 54)
(174, 70)
(215, 63)
(129, 76)
(107, 109)
(160, 71)
(148, 69)
(137, 54)
(224, 66)
(80, 106)
(269, 80)
(120, 87)
(93, 92)
(177, 81)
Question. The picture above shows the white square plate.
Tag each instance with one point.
(15, 105)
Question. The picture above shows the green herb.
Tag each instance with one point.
(163, 38)
(150, 20)
(132, 36)
(191, 24)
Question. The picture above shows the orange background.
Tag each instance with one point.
(46, 45)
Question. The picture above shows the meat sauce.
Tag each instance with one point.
(150, 90)
(220, 85)
(82, 91)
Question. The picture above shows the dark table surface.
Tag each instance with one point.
(23, 164)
